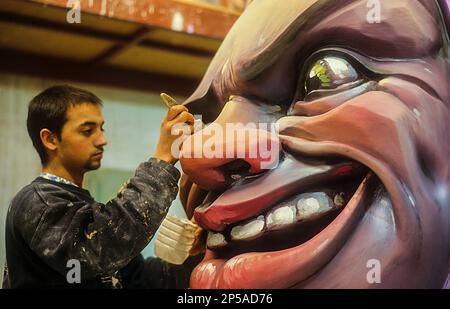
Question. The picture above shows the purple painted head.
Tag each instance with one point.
(361, 195)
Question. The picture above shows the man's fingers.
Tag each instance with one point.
(174, 111)
(184, 116)
(186, 129)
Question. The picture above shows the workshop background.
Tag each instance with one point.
(125, 51)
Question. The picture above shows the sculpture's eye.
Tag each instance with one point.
(329, 73)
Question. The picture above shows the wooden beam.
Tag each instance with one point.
(133, 40)
(122, 41)
(139, 38)
(22, 63)
(192, 51)
(75, 29)
(182, 16)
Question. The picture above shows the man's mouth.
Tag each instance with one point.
(98, 155)
(289, 221)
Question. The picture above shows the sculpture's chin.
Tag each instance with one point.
(283, 254)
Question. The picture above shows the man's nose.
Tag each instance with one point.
(101, 140)
(240, 142)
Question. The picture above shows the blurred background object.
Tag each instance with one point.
(235, 5)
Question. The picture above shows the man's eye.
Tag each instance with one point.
(328, 73)
(87, 132)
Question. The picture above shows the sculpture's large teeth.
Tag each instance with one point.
(280, 217)
(248, 231)
(215, 240)
(305, 207)
(310, 205)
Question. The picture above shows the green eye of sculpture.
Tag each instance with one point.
(329, 73)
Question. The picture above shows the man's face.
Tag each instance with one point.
(82, 139)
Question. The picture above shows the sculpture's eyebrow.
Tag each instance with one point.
(268, 56)
(409, 37)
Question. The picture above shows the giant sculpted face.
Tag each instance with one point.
(360, 196)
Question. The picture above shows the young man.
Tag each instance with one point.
(54, 226)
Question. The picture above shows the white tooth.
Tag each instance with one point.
(310, 205)
(269, 220)
(249, 230)
(307, 206)
(294, 209)
(339, 199)
(215, 240)
(281, 216)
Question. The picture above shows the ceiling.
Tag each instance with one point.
(35, 37)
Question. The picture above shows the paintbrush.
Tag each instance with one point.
(168, 100)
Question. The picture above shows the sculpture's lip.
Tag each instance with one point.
(288, 266)
(288, 223)
(251, 198)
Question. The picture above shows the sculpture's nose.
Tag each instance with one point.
(240, 142)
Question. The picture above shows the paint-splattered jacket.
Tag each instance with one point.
(50, 223)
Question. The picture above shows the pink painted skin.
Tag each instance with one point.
(395, 124)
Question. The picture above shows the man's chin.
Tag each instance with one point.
(92, 166)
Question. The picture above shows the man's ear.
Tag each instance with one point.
(48, 139)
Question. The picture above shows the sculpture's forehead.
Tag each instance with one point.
(270, 32)
(385, 29)
(265, 21)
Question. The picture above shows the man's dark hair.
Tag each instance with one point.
(48, 110)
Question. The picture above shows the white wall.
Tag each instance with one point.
(132, 120)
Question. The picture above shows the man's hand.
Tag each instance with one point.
(176, 114)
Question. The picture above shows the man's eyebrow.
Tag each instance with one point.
(91, 123)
